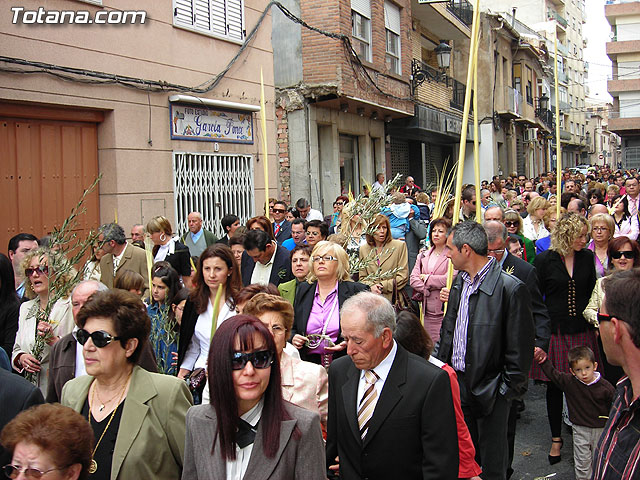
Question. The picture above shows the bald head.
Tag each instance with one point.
(496, 231)
(494, 213)
(82, 292)
(195, 222)
(597, 208)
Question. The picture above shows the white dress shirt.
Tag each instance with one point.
(262, 273)
(80, 368)
(238, 467)
(382, 370)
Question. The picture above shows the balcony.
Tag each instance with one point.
(553, 15)
(459, 93)
(512, 104)
(620, 47)
(563, 77)
(546, 117)
(461, 9)
(563, 50)
(623, 83)
(565, 135)
(624, 123)
(440, 20)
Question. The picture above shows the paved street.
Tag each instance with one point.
(533, 441)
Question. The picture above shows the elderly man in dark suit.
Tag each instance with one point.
(497, 239)
(390, 412)
(264, 261)
(66, 360)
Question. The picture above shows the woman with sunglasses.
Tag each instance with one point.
(48, 441)
(602, 229)
(513, 222)
(137, 417)
(40, 275)
(217, 267)
(626, 224)
(566, 277)
(303, 383)
(316, 329)
(249, 431)
(624, 254)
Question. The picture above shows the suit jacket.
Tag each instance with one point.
(280, 273)
(526, 273)
(412, 434)
(296, 458)
(209, 237)
(500, 338)
(224, 239)
(284, 233)
(305, 384)
(16, 395)
(305, 294)
(150, 442)
(62, 365)
(134, 259)
(398, 257)
(288, 290)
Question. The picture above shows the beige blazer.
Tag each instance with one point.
(591, 312)
(394, 254)
(305, 384)
(298, 457)
(150, 442)
(62, 319)
(134, 258)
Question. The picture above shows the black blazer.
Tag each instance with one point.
(302, 309)
(553, 281)
(412, 434)
(16, 395)
(284, 233)
(526, 273)
(180, 259)
(9, 313)
(280, 273)
(187, 327)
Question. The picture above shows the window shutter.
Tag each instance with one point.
(201, 14)
(235, 27)
(363, 7)
(218, 17)
(183, 12)
(392, 17)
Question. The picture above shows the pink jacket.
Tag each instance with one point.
(436, 281)
(305, 384)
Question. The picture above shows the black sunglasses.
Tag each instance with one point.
(278, 210)
(261, 359)
(603, 317)
(44, 270)
(100, 338)
(629, 254)
(509, 223)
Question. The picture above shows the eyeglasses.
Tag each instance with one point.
(312, 234)
(262, 359)
(326, 258)
(100, 338)
(339, 203)
(44, 270)
(628, 254)
(497, 251)
(314, 340)
(12, 471)
(603, 317)
(277, 210)
(509, 223)
(600, 229)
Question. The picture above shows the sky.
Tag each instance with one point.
(597, 32)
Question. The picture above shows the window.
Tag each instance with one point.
(214, 185)
(220, 18)
(571, 128)
(529, 85)
(392, 31)
(361, 28)
(517, 77)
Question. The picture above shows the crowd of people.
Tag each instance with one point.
(311, 346)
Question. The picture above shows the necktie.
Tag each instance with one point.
(246, 434)
(368, 402)
(277, 230)
(633, 206)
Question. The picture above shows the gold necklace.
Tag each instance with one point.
(102, 404)
(93, 466)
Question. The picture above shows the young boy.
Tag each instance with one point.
(589, 399)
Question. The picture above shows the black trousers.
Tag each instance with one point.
(488, 432)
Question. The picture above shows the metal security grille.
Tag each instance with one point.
(399, 158)
(433, 161)
(213, 185)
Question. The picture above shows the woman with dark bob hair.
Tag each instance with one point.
(249, 430)
(49, 440)
(137, 417)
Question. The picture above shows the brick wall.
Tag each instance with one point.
(325, 60)
(283, 152)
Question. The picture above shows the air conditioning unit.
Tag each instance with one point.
(530, 134)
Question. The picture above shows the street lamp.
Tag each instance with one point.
(443, 53)
(544, 102)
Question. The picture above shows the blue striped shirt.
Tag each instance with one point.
(469, 287)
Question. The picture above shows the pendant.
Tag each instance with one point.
(93, 466)
(101, 408)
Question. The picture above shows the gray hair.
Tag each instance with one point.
(100, 287)
(483, 191)
(470, 233)
(495, 231)
(495, 205)
(379, 311)
(113, 231)
(302, 203)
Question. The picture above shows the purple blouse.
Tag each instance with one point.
(600, 268)
(328, 311)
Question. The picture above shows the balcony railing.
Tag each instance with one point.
(553, 15)
(421, 72)
(461, 9)
(512, 100)
(459, 91)
(563, 77)
(565, 135)
(546, 116)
